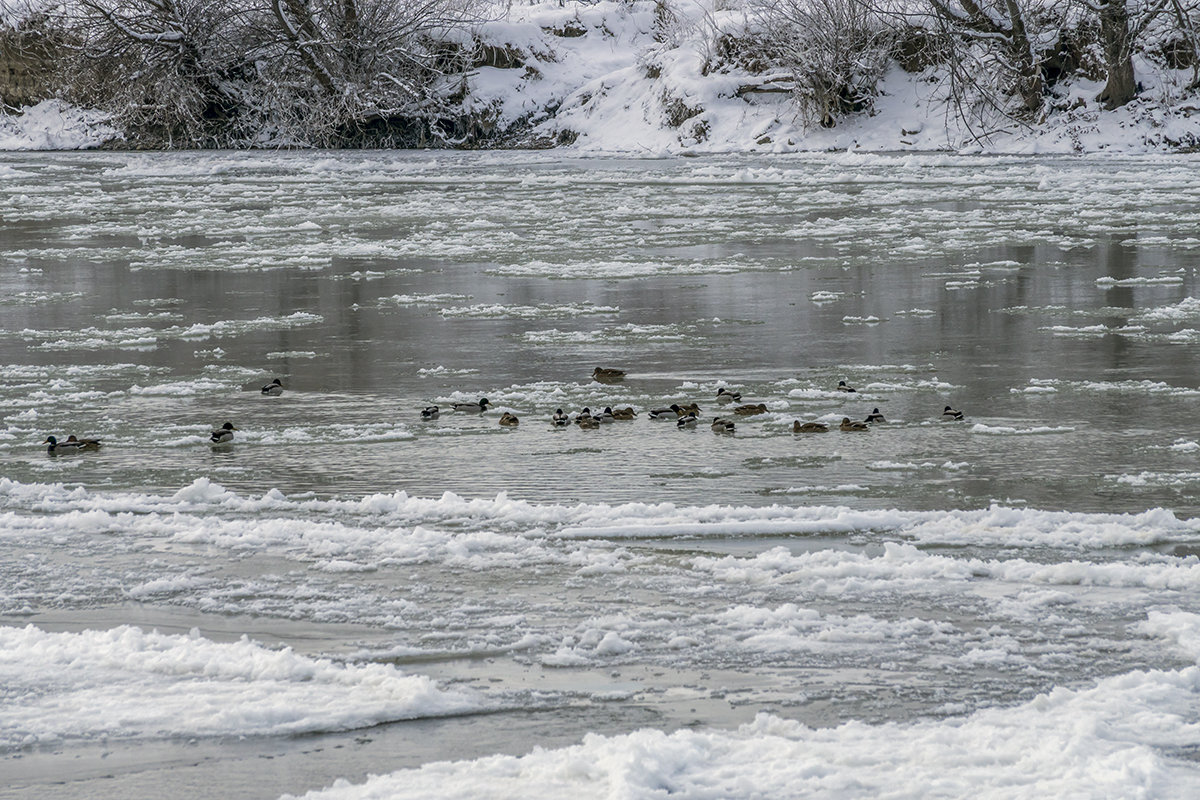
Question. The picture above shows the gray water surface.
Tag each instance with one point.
(145, 298)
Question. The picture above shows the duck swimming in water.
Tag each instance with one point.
(720, 425)
(587, 423)
(625, 414)
(223, 434)
(845, 387)
(509, 420)
(725, 396)
(672, 411)
(809, 427)
(430, 412)
(849, 425)
(472, 408)
(71, 445)
(607, 374)
(951, 414)
(560, 420)
(273, 389)
(750, 410)
(875, 416)
(606, 415)
(688, 421)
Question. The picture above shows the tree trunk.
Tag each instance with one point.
(1029, 80)
(1118, 56)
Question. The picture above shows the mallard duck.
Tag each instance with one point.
(274, 388)
(560, 420)
(223, 434)
(690, 408)
(845, 387)
(71, 445)
(849, 425)
(875, 416)
(472, 408)
(607, 374)
(750, 410)
(720, 425)
(430, 412)
(587, 423)
(725, 396)
(951, 414)
(586, 414)
(809, 427)
(672, 411)
(688, 421)
(509, 420)
(606, 415)
(626, 413)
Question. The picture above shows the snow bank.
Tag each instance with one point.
(55, 125)
(640, 77)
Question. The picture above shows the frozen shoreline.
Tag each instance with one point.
(611, 87)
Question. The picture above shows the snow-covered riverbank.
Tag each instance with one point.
(615, 77)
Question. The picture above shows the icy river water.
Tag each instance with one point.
(1006, 605)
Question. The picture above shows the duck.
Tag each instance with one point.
(586, 414)
(587, 423)
(223, 434)
(690, 408)
(725, 396)
(430, 412)
(845, 387)
(606, 415)
(688, 421)
(560, 420)
(875, 416)
(951, 414)
(625, 414)
(71, 445)
(273, 389)
(849, 425)
(672, 411)
(607, 374)
(750, 410)
(809, 427)
(720, 425)
(509, 420)
(473, 408)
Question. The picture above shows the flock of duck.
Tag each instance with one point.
(221, 436)
(684, 415)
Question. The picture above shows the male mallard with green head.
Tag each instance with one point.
(223, 434)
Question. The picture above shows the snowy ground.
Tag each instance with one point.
(598, 72)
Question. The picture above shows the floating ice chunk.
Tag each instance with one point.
(128, 683)
(1109, 283)
(1002, 430)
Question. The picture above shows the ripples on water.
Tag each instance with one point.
(145, 298)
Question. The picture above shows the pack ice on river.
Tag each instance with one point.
(348, 600)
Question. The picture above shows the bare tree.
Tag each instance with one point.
(833, 52)
(1121, 23)
(1000, 25)
(165, 67)
(238, 72)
